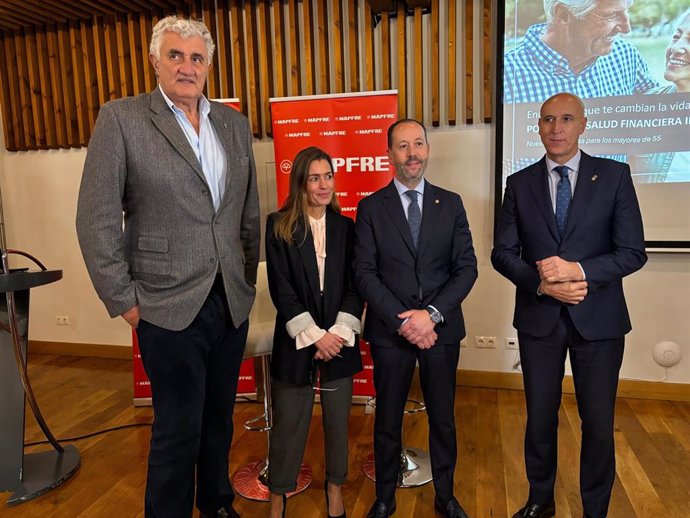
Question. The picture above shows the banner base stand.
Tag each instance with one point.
(44, 471)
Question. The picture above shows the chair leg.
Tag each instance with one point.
(415, 463)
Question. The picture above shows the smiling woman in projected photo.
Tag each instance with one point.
(678, 57)
(671, 166)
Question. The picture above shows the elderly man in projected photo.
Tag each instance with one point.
(577, 50)
(569, 230)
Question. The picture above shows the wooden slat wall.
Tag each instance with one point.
(435, 58)
(401, 37)
(386, 56)
(56, 87)
(368, 57)
(469, 60)
(355, 50)
(223, 46)
(487, 58)
(452, 62)
(239, 60)
(209, 15)
(309, 87)
(295, 62)
(266, 62)
(252, 69)
(58, 65)
(279, 46)
(418, 66)
(338, 49)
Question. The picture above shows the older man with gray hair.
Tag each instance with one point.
(577, 50)
(182, 269)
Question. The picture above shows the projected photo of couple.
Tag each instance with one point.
(629, 61)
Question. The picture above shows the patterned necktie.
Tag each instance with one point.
(563, 195)
(414, 216)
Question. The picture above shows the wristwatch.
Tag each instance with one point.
(434, 315)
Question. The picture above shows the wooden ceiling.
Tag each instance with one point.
(15, 14)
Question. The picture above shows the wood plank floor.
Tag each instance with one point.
(81, 395)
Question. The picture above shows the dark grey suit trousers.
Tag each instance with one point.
(292, 411)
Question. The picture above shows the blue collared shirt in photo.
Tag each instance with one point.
(533, 72)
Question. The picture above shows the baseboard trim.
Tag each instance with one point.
(636, 389)
(469, 378)
(118, 352)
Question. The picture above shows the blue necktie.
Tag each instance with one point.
(563, 195)
(414, 216)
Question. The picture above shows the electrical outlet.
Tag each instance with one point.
(512, 343)
(62, 320)
(485, 342)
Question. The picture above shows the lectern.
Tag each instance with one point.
(30, 475)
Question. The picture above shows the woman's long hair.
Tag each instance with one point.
(296, 207)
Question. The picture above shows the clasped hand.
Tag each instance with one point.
(328, 347)
(562, 280)
(418, 329)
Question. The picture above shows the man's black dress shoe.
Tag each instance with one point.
(452, 509)
(224, 512)
(536, 511)
(381, 510)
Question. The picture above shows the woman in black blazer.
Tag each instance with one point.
(308, 256)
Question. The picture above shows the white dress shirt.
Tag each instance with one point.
(314, 333)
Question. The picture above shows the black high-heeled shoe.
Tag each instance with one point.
(325, 490)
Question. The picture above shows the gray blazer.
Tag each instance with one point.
(173, 243)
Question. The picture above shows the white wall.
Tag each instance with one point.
(39, 192)
(39, 195)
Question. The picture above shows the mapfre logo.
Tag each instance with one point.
(285, 166)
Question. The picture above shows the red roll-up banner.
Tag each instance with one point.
(246, 383)
(352, 128)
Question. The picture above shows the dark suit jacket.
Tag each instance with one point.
(392, 277)
(603, 233)
(293, 281)
(174, 242)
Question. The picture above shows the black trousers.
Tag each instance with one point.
(595, 366)
(193, 376)
(393, 371)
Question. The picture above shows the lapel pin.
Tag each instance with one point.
(594, 178)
